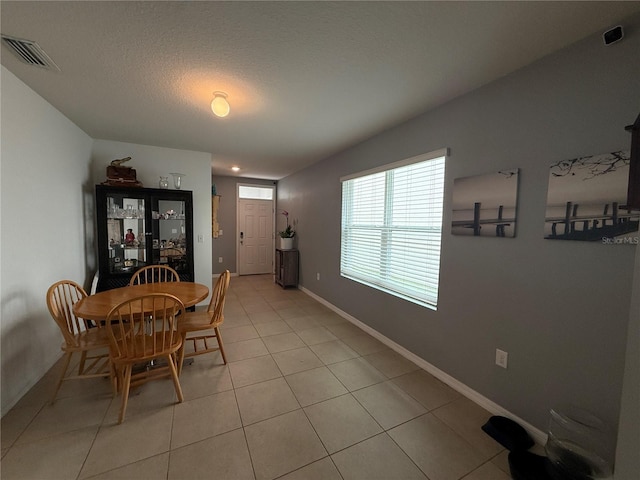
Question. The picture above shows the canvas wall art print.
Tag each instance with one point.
(586, 200)
(485, 205)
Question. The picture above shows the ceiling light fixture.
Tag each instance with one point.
(219, 104)
(235, 169)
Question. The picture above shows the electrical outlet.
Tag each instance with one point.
(318, 276)
(219, 259)
(501, 358)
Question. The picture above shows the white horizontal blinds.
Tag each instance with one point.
(391, 229)
(363, 212)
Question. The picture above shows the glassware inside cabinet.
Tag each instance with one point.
(126, 233)
(172, 235)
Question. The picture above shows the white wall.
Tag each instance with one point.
(44, 170)
(151, 162)
(49, 168)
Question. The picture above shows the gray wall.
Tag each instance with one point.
(627, 458)
(560, 309)
(225, 245)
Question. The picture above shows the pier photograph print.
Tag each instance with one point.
(485, 205)
(586, 200)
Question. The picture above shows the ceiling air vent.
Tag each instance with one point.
(29, 52)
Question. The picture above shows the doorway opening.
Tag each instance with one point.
(256, 226)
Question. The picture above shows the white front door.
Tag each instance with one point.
(255, 236)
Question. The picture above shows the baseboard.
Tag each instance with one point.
(538, 435)
(216, 275)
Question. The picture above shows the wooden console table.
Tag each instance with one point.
(287, 268)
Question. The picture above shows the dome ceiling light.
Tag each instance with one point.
(220, 105)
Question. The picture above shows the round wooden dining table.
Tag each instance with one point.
(97, 306)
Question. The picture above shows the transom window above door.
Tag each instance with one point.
(255, 193)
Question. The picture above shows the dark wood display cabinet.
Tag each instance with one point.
(142, 226)
(287, 268)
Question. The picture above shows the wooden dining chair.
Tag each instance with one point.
(140, 330)
(205, 324)
(79, 336)
(154, 274)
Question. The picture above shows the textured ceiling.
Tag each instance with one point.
(304, 79)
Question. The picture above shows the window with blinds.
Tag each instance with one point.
(392, 227)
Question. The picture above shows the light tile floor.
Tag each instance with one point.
(306, 395)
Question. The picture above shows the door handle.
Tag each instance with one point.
(241, 238)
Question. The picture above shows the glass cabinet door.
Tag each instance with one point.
(126, 234)
(170, 235)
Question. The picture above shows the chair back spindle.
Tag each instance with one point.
(154, 274)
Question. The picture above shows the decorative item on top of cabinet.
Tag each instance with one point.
(286, 235)
(121, 176)
(286, 243)
(177, 180)
(142, 226)
(287, 268)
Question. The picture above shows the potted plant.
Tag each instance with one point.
(286, 235)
